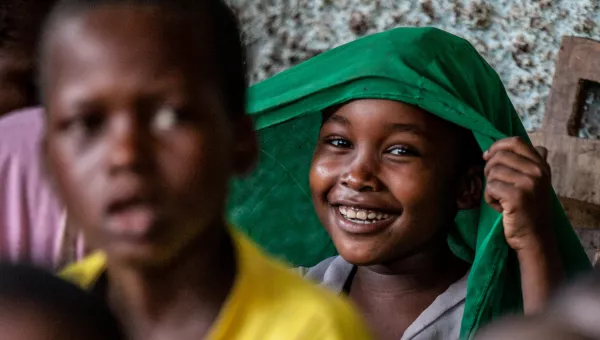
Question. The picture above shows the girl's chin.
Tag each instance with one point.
(359, 254)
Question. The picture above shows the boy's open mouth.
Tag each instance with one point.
(362, 216)
(133, 217)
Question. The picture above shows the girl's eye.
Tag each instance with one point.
(340, 143)
(402, 151)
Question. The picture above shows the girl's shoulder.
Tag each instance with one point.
(333, 272)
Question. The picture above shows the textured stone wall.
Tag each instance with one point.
(519, 38)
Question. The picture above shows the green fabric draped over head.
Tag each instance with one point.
(425, 67)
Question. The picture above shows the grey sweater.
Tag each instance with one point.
(441, 320)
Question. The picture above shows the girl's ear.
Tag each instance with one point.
(470, 189)
(245, 147)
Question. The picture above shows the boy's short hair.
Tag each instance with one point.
(230, 52)
(22, 285)
(21, 21)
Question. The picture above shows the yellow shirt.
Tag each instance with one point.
(267, 301)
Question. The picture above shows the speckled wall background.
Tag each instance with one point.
(519, 38)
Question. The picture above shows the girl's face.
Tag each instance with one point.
(139, 139)
(385, 179)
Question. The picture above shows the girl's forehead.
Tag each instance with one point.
(376, 106)
(382, 117)
(358, 113)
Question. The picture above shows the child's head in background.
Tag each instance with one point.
(35, 305)
(146, 121)
(578, 306)
(574, 313)
(20, 26)
(526, 328)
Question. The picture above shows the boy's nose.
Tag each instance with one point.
(129, 149)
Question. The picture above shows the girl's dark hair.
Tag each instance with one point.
(230, 53)
(471, 154)
(64, 302)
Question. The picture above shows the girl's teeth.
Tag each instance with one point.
(361, 215)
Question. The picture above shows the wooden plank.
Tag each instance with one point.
(575, 165)
(578, 60)
(581, 215)
(575, 162)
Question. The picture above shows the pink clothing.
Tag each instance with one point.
(32, 220)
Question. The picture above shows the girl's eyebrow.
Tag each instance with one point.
(337, 119)
(409, 128)
(393, 127)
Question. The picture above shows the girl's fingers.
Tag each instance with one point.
(521, 181)
(543, 152)
(516, 145)
(515, 161)
(504, 173)
(498, 192)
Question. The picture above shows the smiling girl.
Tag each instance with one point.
(435, 237)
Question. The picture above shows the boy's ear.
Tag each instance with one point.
(45, 163)
(470, 190)
(245, 152)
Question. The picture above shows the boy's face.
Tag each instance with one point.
(139, 141)
(16, 79)
(384, 179)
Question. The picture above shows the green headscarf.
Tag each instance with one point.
(426, 67)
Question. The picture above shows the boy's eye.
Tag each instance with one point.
(167, 118)
(402, 151)
(84, 124)
(340, 143)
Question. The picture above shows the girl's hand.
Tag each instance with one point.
(519, 187)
